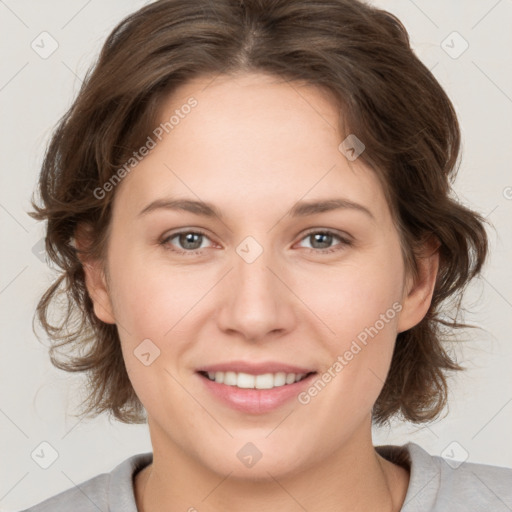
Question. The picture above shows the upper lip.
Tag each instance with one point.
(254, 368)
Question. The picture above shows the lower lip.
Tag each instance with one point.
(255, 401)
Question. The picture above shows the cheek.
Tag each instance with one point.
(151, 299)
(153, 311)
(361, 306)
(356, 295)
(363, 313)
(156, 300)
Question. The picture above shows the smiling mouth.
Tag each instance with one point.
(249, 381)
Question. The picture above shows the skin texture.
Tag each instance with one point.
(254, 146)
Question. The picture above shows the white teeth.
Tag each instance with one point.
(265, 381)
(244, 380)
(290, 378)
(279, 379)
(249, 381)
(229, 378)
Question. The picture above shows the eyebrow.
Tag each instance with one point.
(300, 209)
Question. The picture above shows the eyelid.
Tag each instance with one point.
(345, 239)
(340, 234)
(169, 236)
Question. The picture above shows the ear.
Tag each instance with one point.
(418, 293)
(95, 278)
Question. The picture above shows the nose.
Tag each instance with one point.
(258, 304)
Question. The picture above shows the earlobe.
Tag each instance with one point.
(95, 281)
(418, 294)
(96, 284)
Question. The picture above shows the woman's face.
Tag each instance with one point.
(270, 285)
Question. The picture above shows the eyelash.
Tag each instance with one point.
(344, 242)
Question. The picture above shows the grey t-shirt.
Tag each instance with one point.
(436, 485)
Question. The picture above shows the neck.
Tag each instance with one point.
(353, 478)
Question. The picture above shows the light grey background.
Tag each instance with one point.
(37, 400)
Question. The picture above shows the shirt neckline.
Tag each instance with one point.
(424, 477)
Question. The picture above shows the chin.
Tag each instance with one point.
(256, 461)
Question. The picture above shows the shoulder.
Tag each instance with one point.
(108, 491)
(87, 496)
(438, 484)
(473, 486)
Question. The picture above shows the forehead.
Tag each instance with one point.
(249, 141)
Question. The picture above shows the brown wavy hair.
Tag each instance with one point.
(393, 103)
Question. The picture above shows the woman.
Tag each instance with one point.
(250, 202)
